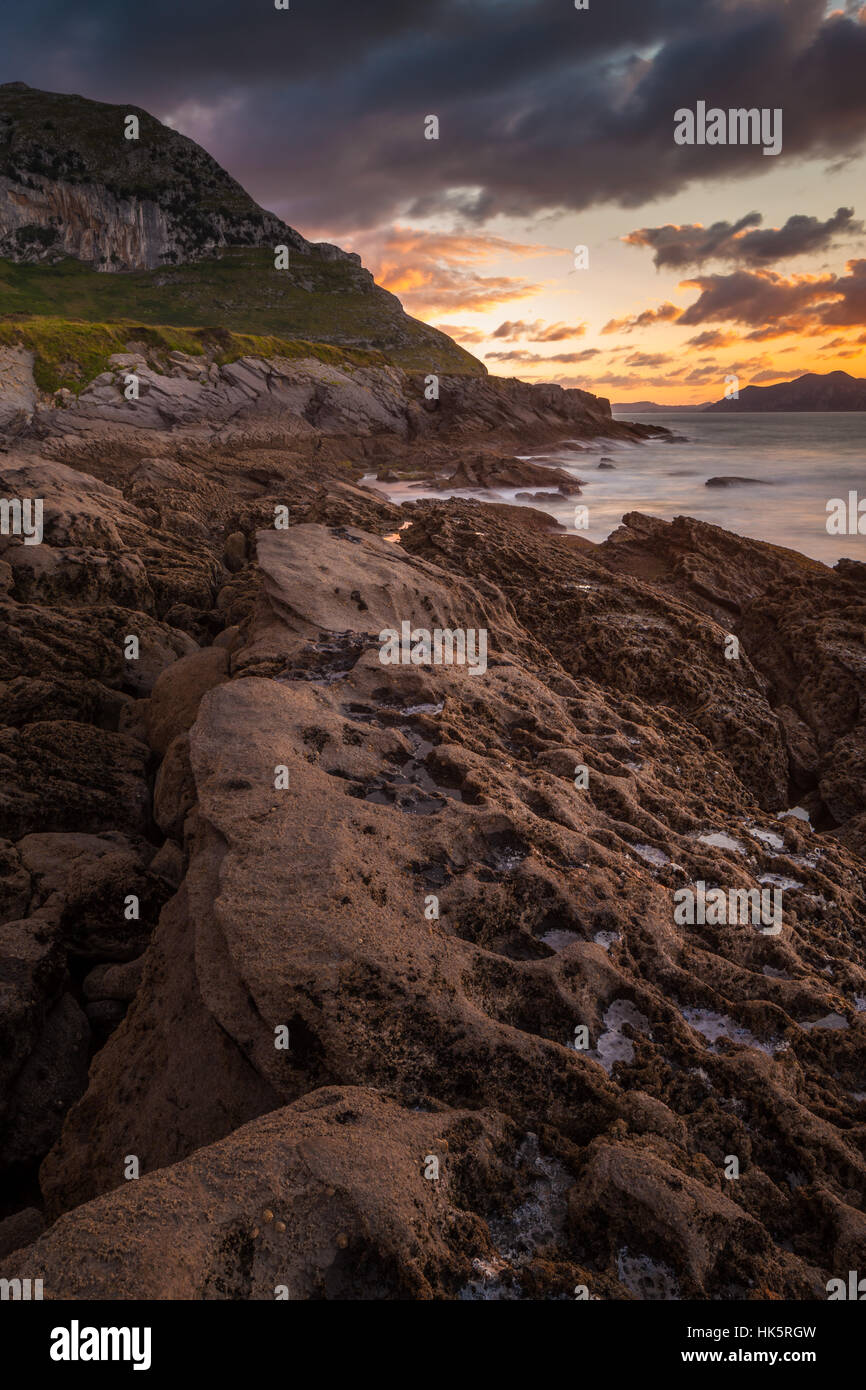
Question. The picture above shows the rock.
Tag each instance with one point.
(167, 863)
(842, 781)
(115, 982)
(176, 696)
(34, 976)
(20, 1229)
(304, 907)
(59, 773)
(52, 1078)
(781, 605)
(486, 472)
(235, 551)
(104, 1015)
(736, 482)
(803, 756)
(15, 883)
(17, 388)
(174, 793)
(342, 1170)
(697, 1236)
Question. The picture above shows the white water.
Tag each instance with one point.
(803, 460)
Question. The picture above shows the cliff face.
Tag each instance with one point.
(45, 220)
(72, 184)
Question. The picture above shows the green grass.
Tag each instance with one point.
(237, 291)
(70, 353)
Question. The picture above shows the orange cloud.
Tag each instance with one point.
(461, 334)
(436, 271)
(538, 332)
(665, 313)
(523, 356)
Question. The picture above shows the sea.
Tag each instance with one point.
(800, 462)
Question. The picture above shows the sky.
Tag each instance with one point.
(556, 130)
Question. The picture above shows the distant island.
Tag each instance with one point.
(643, 407)
(828, 391)
(814, 391)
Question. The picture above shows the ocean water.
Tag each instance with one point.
(800, 461)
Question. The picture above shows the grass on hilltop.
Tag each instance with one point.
(76, 316)
(70, 353)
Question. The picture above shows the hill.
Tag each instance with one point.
(98, 228)
(645, 407)
(813, 391)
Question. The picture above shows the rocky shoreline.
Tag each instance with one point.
(235, 839)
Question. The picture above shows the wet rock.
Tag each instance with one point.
(735, 482)
(486, 472)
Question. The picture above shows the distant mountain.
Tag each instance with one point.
(99, 227)
(644, 407)
(814, 391)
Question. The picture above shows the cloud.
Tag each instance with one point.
(462, 334)
(850, 307)
(760, 297)
(621, 381)
(843, 343)
(433, 272)
(699, 376)
(773, 305)
(522, 355)
(743, 241)
(320, 109)
(712, 338)
(538, 331)
(648, 359)
(433, 290)
(665, 313)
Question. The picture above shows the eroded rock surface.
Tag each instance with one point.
(389, 913)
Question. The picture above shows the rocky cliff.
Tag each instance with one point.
(72, 184)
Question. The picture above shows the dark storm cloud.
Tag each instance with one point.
(755, 297)
(774, 304)
(743, 241)
(319, 109)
